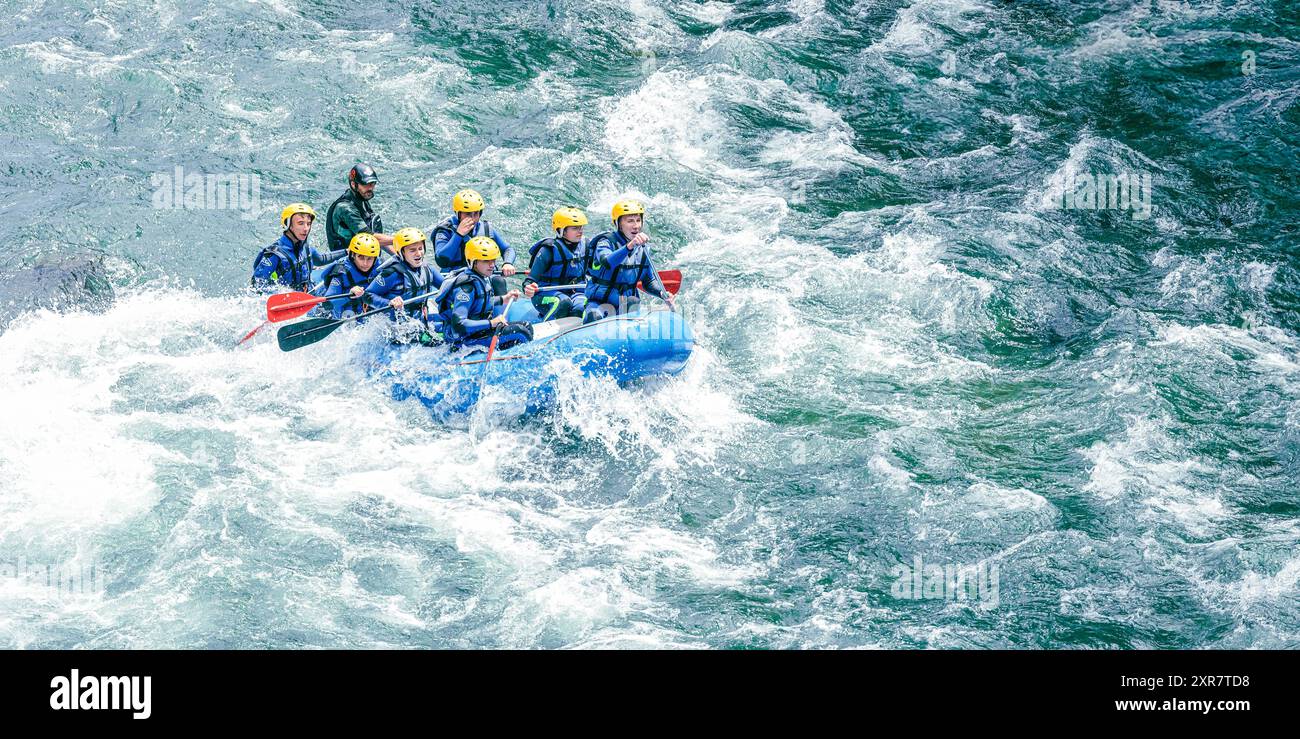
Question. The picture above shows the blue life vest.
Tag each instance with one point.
(447, 258)
(291, 262)
(345, 273)
(605, 283)
(414, 282)
(567, 263)
(465, 287)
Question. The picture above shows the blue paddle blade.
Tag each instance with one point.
(305, 333)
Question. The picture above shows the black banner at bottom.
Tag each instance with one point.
(214, 690)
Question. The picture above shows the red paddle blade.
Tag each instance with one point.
(671, 279)
(284, 306)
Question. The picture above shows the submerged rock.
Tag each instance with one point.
(54, 282)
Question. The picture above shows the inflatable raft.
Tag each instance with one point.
(652, 342)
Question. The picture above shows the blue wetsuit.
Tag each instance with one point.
(397, 278)
(449, 247)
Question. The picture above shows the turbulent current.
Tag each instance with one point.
(995, 308)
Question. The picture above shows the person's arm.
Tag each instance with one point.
(448, 246)
(649, 279)
(507, 251)
(499, 316)
(459, 316)
(541, 264)
(385, 238)
(319, 259)
(379, 292)
(608, 256)
(266, 271)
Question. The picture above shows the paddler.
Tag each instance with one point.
(289, 261)
(616, 261)
(351, 213)
(558, 261)
(405, 277)
(348, 278)
(469, 311)
(466, 222)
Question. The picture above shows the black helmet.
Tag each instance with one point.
(363, 174)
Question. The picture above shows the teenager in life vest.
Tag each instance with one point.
(289, 261)
(558, 261)
(616, 261)
(466, 222)
(468, 309)
(347, 279)
(402, 280)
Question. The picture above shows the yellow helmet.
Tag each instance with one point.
(467, 201)
(406, 237)
(565, 217)
(481, 247)
(365, 245)
(293, 209)
(626, 208)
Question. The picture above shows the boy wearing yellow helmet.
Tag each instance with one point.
(405, 277)
(616, 261)
(347, 278)
(469, 311)
(466, 222)
(289, 261)
(558, 261)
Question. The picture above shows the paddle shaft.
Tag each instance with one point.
(492, 347)
(324, 327)
(387, 308)
(252, 333)
(496, 335)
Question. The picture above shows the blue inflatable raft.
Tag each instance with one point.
(652, 342)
